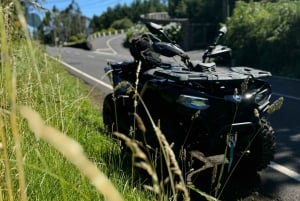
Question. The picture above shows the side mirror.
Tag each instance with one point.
(154, 28)
(158, 30)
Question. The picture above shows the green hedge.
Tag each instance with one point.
(266, 36)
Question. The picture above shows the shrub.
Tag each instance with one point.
(73, 39)
(123, 23)
(264, 35)
(78, 38)
(173, 31)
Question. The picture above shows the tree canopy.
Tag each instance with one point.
(65, 25)
(130, 12)
(265, 35)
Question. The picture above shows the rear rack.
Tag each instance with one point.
(235, 73)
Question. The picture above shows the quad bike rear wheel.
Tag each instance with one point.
(117, 114)
(108, 113)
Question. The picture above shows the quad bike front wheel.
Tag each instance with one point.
(262, 148)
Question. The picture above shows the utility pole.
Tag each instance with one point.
(225, 9)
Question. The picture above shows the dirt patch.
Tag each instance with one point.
(96, 97)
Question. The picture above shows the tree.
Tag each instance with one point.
(178, 8)
(95, 23)
(206, 11)
(132, 12)
(43, 31)
(62, 25)
(201, 11)
(72, 21)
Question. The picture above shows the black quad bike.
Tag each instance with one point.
(201, 106)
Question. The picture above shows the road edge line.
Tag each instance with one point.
(286, 171)
(83, 73)
(286, 96)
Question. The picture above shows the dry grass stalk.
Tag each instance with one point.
(3, 147)
(207, 197)
(140, 123)
(172, 164)
(169, 156)
(10, 76)
(136, 84)
(244, 85)
(276, 105)
(209, 162)
(72, 151)
(24, 25)
(141, 161)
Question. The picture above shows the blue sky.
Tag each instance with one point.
(88, 8)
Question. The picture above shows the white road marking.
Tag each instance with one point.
(83, 73)
(287, 96)
(286, 78)
(109, 46)
(102, 52)
(282, 169)
(109, 50)
(284, 95)
(91, 56)
(103, 49)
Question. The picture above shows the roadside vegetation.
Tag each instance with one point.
(40, 100)
(266, 35)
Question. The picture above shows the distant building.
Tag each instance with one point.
(156, 16)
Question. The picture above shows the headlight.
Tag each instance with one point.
(233, 98)
(194, 102)
(263, 96)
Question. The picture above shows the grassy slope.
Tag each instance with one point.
(64, 102)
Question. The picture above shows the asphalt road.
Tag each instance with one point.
(280, 181)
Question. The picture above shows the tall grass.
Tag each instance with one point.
(59, 111)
